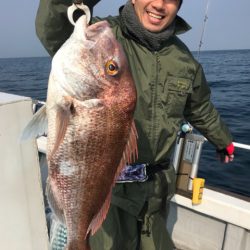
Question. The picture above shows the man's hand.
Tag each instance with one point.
(226, 155)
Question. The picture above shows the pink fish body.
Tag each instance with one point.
(91, 135)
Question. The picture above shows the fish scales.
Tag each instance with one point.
(90, 104)
(91, 135)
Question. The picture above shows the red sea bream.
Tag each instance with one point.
(91, 134)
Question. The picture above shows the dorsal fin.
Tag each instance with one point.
(129, 155)
(131, 147)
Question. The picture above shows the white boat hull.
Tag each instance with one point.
(221, 222)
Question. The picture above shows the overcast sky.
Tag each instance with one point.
(227, 27)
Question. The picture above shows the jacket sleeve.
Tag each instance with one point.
(201, 113)
(52, 25)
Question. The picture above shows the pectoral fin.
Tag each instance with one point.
(62, 120)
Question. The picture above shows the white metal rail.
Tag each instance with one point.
(240, 145)
(42, 144)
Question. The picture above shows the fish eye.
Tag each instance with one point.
(111, 68)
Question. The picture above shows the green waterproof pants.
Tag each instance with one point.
(136, 219)
(123, 231)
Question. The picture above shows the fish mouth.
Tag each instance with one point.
(94, 31)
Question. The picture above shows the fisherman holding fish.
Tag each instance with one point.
(171, 87)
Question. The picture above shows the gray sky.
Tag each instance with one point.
(227, 27)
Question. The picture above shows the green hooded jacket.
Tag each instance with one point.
(171, 84)
(171, 87)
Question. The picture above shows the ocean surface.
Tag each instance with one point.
(228, 74)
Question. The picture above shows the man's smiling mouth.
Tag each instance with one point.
(154, 15)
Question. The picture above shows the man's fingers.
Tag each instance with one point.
(226, 159)
(231, 157)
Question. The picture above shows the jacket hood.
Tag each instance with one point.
(181, 26)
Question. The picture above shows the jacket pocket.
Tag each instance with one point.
(175, 94)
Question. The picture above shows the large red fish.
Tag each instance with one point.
(91, 135)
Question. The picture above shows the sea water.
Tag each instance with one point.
(228, 75)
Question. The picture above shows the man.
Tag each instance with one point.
(171, 87)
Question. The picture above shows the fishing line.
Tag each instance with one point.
(203, 28)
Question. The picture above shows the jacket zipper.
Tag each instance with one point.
(154, 94)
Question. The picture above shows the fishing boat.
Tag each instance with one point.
(220, 222)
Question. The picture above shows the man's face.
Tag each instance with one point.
(156, 15)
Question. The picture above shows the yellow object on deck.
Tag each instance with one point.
(198, 185)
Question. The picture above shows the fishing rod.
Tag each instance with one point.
(203, 28)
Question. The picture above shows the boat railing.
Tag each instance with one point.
(214, 203)
(241, 145)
